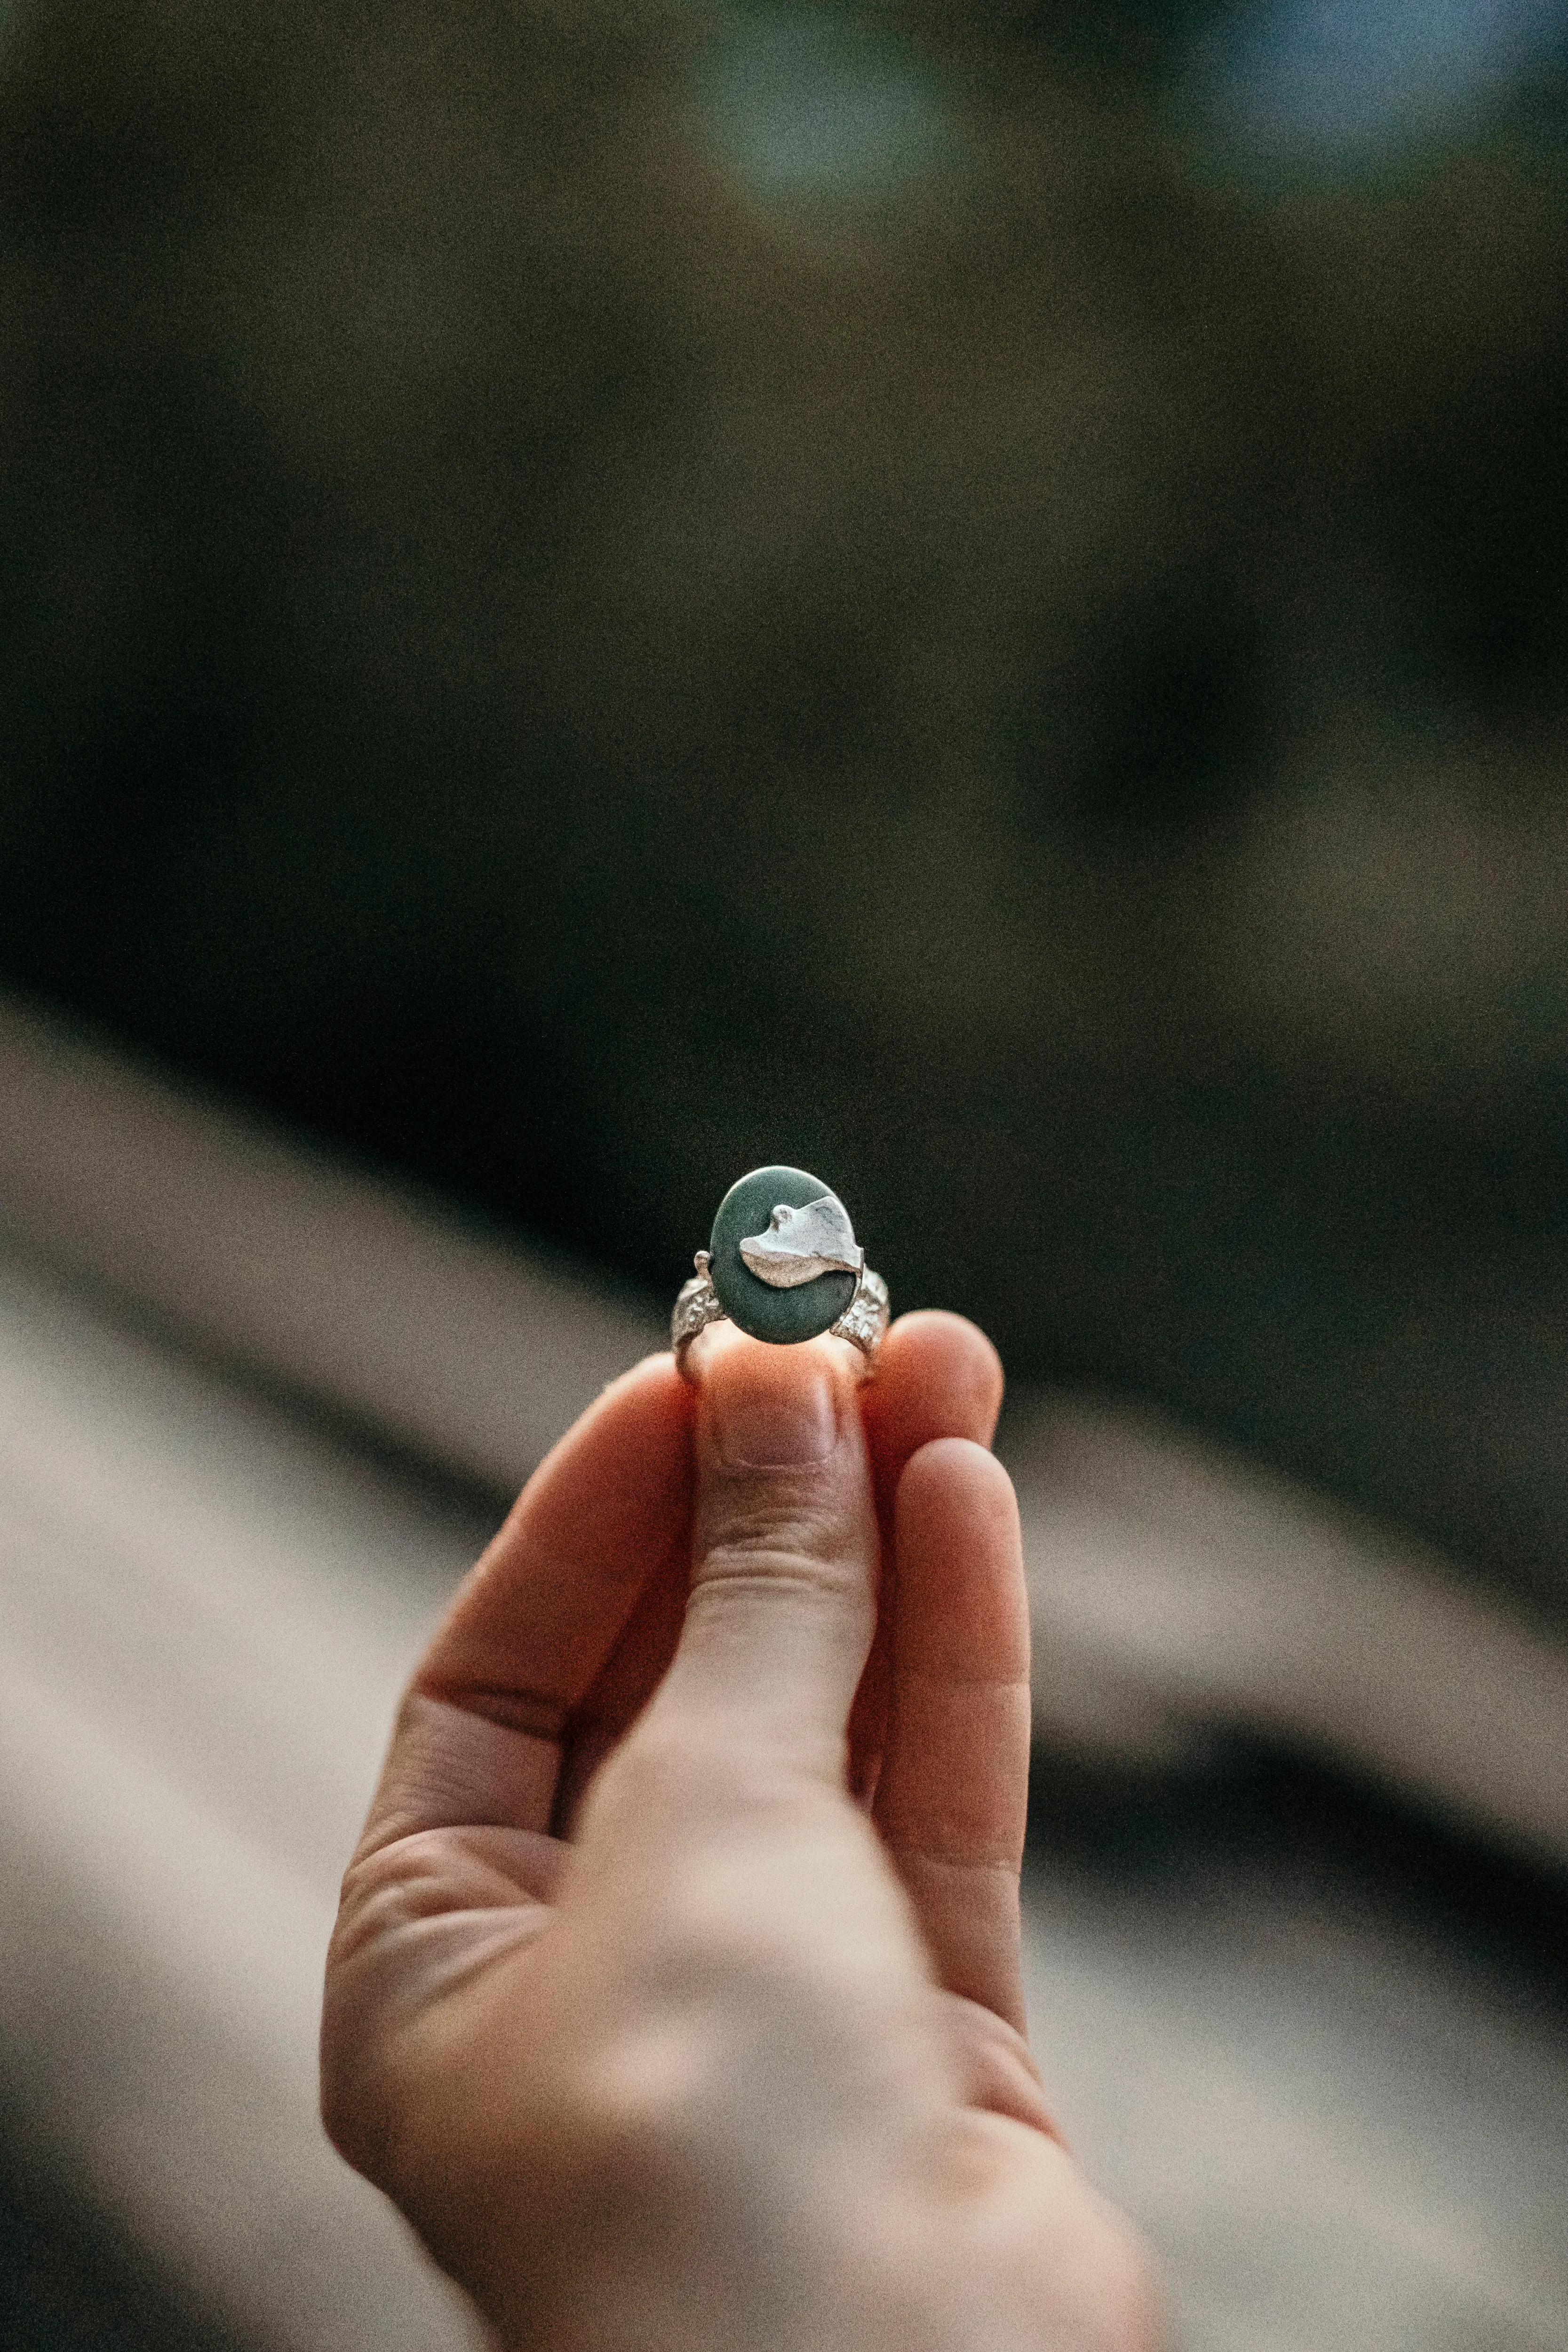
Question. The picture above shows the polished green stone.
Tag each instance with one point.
(780, 1316)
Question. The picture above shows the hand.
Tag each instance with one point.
(674, 2019)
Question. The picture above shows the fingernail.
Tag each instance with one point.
(770, 1416)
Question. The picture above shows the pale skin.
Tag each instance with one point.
(675, 1993)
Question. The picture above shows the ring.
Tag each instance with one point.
(784, 1265)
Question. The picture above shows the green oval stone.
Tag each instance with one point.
(782, 1316)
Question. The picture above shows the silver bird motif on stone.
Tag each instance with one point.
(800, 1244)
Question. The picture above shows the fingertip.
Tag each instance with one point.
(722, 1347)
(656, 1387)
(636, 1425)
(535, 1619)
(938, 1376)
(959, 1477)
(650, 1376)
(952, 1349)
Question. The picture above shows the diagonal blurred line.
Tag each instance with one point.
(1174, 1591)
(334, 1285)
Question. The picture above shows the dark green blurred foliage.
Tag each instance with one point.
(1032, 683)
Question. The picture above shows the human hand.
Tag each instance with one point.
(674, 2019)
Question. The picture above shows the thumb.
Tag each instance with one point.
(784, 1554)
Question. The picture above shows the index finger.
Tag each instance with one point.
(538, 1616)
(533, 1624)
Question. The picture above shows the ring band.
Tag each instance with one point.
(862, 1323)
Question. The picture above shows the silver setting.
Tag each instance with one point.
(864, 1319)
(696, 1306)
(800, 1244)
(863, 1322)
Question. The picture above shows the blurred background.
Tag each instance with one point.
(592, 595)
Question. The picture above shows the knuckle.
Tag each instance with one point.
(810, 1556)
(786, 1511)
(645, 2093)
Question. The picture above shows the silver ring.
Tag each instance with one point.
(782, 1255)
